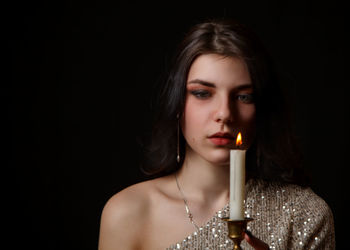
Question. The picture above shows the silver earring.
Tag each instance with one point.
(178, 139)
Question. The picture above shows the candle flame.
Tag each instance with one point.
(239, 139)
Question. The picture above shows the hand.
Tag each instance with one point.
(256, 243)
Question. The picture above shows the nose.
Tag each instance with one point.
(223, 112)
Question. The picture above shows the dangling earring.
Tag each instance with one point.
(178, 139)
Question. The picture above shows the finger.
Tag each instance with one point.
(255, 242)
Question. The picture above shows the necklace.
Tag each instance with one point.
(188, 211)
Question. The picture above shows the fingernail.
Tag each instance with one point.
(249, 233)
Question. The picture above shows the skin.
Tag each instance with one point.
(224, 106)
(151, 214)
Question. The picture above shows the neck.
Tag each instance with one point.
(204, 182)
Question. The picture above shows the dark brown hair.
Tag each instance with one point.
(273, 155)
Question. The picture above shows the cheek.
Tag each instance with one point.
(193, 120)
(247, 114)
(247, 121)
(249, 125)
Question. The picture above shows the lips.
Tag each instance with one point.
(223, 135)
(221, 138)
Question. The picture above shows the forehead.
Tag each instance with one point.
(219, 69)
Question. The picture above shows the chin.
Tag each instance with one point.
(219, 158)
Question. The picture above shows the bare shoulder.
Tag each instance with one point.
(131, 206)
(119, 215)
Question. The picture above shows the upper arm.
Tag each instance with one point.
(322, 230)
(314, 226)
(121, 219)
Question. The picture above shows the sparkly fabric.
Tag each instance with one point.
(285, 217)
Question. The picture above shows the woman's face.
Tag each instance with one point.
(219, 104)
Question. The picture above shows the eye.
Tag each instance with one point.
(201, 94)
(246, 98)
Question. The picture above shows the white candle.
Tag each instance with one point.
(237, 183)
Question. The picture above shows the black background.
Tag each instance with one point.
(77, 90)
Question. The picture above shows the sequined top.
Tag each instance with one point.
(285, 217)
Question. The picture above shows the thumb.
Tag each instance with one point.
(255, 242)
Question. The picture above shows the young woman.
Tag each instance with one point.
(221, 83)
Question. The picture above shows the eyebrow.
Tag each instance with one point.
(212, 85)
(205, 83)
